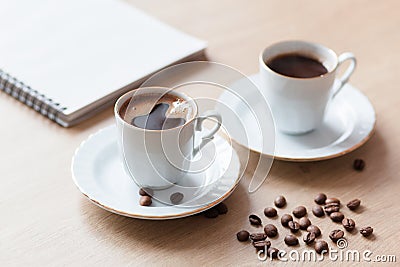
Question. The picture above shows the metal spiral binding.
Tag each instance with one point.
(32, 98)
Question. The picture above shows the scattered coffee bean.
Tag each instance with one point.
(270, 212)
(258, 236)
(280, 201)
(335, 235)
(309, 237)
(321, 247)
(299, 211)
(146, 191)
(348, 224)
(314, 229)
(366, 231)
(222, 208)
(145, 201)
(354, 204)
(331, 207)
(243, 236)
(285, 219)
(320, 199)
(291, 240)
(254, 219)
(273, 253)
(358, 164)
(176, 198)
(337, 216)
(294, 226)
(262, 245)
(318, 211)
(271, 230)
(304, 223)
(332, 200)
(211, 213)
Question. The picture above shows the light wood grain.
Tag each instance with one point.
(46, 221)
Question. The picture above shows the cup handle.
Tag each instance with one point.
(346, 76)
(199, 127)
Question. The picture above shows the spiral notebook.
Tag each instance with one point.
(68, 59)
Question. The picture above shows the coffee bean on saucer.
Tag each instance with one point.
(309, 237)
(320, 199)
(262, 245)
(304, 223)
(280, 201)
(176, 198)
(145, 201)
(336, 216)
(211, 213)
(270, 230)
(243, 235)
(348, 224)
(294, 226)
(318, 211)
(273, 252)
(359, 164)
(335, 235)
(285, 219)
(332, 200)
(222, 208)
(321, 247)
(270, 212)
(331, 207)
(291, 240)
(299, 211)
(258, 236)
(354, 204)
(254, 219)
(314, 229)
(366, 231)
(146, 191)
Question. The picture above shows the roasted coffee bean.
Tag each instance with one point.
(359, 164)
(294, 226)
(285, 219)
(304, 223)
(348, 224)
(291, 240)
(309, 237)
(321, 247)
(273, 253)
(176, 198)
(222, 208)
(211, 213)
(258, 236)
(332, 200)
(280, 201)
(318, 211)
(243, 236)
(320, 199)
(145, 201)
(262, 245)
(331, 207)
(146, 191)
(314, 229)
(271, 230)
(336, 216)
(299, 211)
(354, 204)
(254, 219)
(270, 212)
(335, 235)
(366, 231)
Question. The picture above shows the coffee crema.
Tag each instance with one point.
(156, 111)
(296, 65)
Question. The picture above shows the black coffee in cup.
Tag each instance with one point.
(156, 111)
(296, 65)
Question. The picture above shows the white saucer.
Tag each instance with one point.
(99, 174)
(349, 123)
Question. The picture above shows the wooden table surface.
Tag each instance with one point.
(46, 221)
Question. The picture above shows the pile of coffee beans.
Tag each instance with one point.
(329, 207)
(145, 196)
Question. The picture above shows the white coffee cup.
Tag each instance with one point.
(299, 104)
(160, 158)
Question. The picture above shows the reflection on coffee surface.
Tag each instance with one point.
(156, 111)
